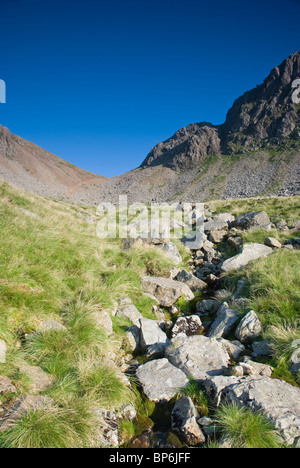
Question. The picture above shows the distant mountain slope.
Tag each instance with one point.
(255, 152)
(27, 166)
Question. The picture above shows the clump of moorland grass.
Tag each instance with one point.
(241, 427)
(53, 427)
(199, 398)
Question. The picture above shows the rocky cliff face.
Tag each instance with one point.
(264, 117)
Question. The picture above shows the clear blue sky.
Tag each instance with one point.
(100, 82)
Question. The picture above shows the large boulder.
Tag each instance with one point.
(252, 220)
(197, 356)
(166, 291)
(184, 421)
(194, 283)
(153, 339)
(160, 380)
(249, 253)
(249, 328)
(215, 224)
(279, 400)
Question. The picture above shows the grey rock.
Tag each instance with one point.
(39, 380)
(252, 220)
(22, 406)
(197, 356)
(224, 323)
(215, 225)
(194, 283)
(153, 339)
(215, 385)
(166, 291)
(189, 326)
(262, 349)
(6, 386)
(184, 421)
(272, 242)
(172, 252)
(51, 326)
(249, 253)
(133, 335)
(107, 430)
(128, 311)
(104, 322)
(279, 400)
(233, 348)
(160, 380)
(249, 328)
(217, 236)
(206, 307)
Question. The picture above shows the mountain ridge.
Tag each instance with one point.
(255, 152)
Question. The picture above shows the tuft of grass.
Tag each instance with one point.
(199, 398)
(244, 428)
(52, 427)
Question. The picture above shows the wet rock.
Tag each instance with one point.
(249, 328)
(197, 356)
(184, 421)
(166, 291)
(160, 380)
(249, 253)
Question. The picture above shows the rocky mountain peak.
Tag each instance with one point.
(261, 118)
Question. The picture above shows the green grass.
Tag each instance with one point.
(273, 288)
(243, 428)
(55, 267)
(199, 398)
(287, 208)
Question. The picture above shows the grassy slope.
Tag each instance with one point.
(55, 267)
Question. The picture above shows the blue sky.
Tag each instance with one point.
(100, 82)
